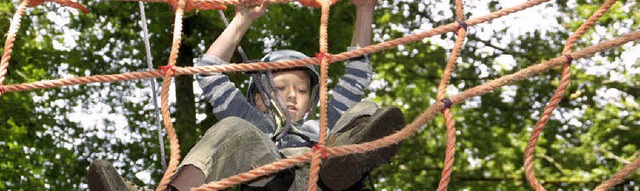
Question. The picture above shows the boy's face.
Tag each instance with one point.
(294, 89)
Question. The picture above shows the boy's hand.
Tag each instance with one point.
(314, 3)
(251, 12)
(364, 3)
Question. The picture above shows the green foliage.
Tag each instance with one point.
(48, 137)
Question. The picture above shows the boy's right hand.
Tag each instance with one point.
(251, 12)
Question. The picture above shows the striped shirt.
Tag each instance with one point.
(228, 100)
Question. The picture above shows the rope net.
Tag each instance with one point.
(321, 152)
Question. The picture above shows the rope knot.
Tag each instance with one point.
(569, 58)
(447, 103)
(323, 150)
(461, 25)
(322, 55)
(166, 69)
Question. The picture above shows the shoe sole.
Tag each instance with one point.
(103, 177)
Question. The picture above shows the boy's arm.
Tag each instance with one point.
(350, 87)
(225, 45)
(226, 98)
(364, 19)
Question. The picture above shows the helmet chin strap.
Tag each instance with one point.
(276, 105)
(282, 113)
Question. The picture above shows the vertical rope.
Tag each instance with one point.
(145, 33)
(450, 150)
(164, 98)
(11, 38)
(557, 96)
(553, 103)
(324, 74)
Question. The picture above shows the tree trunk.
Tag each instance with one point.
(185, 100)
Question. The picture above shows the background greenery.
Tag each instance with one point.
(49, 137)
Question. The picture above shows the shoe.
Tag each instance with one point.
(104, 177)
(282, 181)
(341, 173)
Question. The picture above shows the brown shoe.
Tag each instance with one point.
(341, 173)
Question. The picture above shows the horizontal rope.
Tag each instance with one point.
(224, 2)
(265, 65)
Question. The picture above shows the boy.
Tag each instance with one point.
(272, 122)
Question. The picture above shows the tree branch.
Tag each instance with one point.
(555, 164)
(507, 51)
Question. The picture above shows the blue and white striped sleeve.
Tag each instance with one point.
(227, 99)
(350, 87)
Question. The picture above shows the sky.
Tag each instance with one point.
(537, 18)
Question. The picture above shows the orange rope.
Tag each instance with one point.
(66, 3)
(557, 96)
(324, 75)
(553, 103)
(219, 2)
(174, 158)
(419, 122)
(619, 176)
(11, 38)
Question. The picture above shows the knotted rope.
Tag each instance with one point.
(324, 61)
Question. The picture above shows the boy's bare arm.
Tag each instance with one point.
(226, 43)
(364, 18)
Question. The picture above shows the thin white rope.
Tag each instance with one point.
(147, 47)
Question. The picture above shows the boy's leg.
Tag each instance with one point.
(230, 147)
(359, 124)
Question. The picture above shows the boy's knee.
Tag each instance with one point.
(365, 106)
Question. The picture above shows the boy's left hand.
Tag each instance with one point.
(251, 12)
(364, 3)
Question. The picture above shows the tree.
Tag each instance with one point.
(53, 134)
